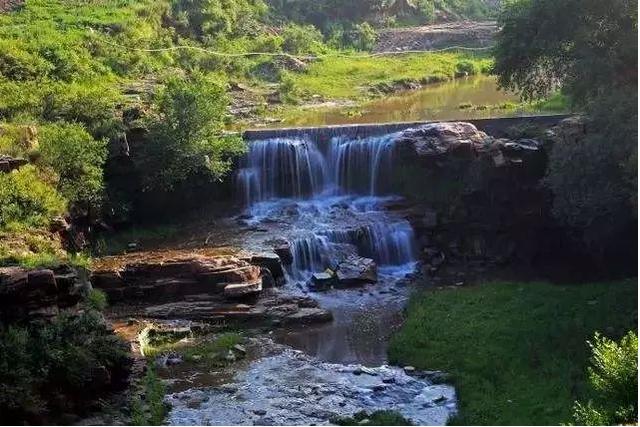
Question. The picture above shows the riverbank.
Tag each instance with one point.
(517, 352)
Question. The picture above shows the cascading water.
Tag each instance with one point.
(332, 197)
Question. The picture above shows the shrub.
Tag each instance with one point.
(362, 36)
(186, 138)
(27, 200)
(16, 63)
(466, 68)
(77, 158)
(613, 377)
(97, 300)
(301, 39)
(51, 369)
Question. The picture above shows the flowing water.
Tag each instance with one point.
(327, 201)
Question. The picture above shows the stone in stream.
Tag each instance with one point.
(355, 271)
(322, 281)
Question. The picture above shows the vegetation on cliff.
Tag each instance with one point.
(518, 352)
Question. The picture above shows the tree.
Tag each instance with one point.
(186, 136)
(588, 49)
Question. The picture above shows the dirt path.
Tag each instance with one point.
(431, 37)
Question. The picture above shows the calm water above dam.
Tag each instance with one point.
(435, 102)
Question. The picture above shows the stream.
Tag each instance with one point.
(327, 201)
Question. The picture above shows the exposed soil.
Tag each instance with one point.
(438, 36)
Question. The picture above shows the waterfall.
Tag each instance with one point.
(281, 168)
(330, 196)
(361, 166)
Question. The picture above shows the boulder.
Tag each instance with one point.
(356, 270)
(439, 139)
(322, 281)
(273, 263)
(285, 254)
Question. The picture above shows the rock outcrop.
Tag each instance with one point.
(8, 163)
(27, 295)
(206, 286)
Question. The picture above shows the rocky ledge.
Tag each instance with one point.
(27, 295)
(205, 285)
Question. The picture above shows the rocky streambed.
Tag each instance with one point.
(318, 266)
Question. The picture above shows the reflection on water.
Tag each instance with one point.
(436, 102)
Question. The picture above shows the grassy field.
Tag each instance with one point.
(350, 78)
(517, 351)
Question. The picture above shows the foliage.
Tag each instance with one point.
(186, 136)
(45, 368)
(97, 300)
(27, 199)
(589, 49)
(587, 46)
(613, 376)
(377, 418)
(300, 39)
(77, 158)
(516, 351)
(150, 410)
(211, 19)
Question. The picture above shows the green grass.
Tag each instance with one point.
(351, 78)
(517, 351)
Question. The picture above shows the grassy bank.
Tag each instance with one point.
(352, 78)
(517, 351)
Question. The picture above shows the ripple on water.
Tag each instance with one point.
(291, 388)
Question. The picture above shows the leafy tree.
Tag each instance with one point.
(186, 137)
(77, 158)
(613, 377)
(588, 48)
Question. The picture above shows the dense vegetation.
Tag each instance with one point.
(518, 352)
(51, 369)
(589, 49)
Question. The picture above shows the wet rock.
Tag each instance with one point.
(322, 281)
(355, 271)
(240, 349)
(284, 252)
(409, 369)
(260, 412)
(272, 262)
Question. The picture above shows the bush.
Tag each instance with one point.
(28, 200)
(466, 68)
(613, 377)
(301, 39)
(97, 300)
(77, 158)
(16, 63)
(51, 369)
(186, 137)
